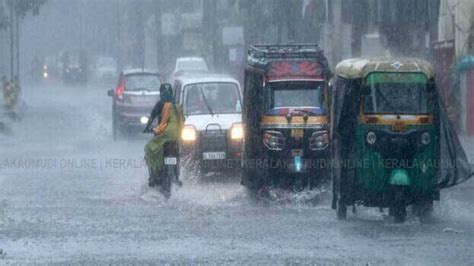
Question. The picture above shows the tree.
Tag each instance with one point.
(18, 9)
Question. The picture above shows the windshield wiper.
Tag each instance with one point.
(206, 102)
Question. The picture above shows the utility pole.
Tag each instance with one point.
(17, 38)
(335, 21)
(159, 36)
(81, 24)
(11, 23)
(119, 37)
(356, 40)
(2, 50)
(210, 28)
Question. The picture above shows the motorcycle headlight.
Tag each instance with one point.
(143, 119)
(425, 138)
(237, 132)
(188, 134)
(371, 138)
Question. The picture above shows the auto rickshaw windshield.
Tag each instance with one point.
(390, 93)
(307, 95)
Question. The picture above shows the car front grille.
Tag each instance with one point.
(213, 140)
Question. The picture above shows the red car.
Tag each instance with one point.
(136, 94)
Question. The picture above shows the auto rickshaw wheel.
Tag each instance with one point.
(251, 179)
(398, 210)
(316, 180)
(341, 210)
(263, 175)
(300, 184)
(423, 210)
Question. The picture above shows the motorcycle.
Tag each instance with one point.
(170, 171)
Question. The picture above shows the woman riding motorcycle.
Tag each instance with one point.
(170, 122)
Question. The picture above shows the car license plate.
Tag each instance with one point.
(142, 99)
(297, 133)
(171, 161)
(213, 155)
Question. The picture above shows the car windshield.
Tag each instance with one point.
(401, 96)
(212, 98)
(192, 65)
(49, 61)
(73, 59)
(143, 82)
(304, 96)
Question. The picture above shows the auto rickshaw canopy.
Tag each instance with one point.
(289, 61)
(358, 68)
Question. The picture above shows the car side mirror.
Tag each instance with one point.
(110, 93)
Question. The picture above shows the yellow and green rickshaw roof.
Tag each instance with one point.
(358, 68)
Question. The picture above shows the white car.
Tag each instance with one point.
(212, 106)
(190, 64)
(105, 69)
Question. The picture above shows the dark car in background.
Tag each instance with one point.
(74, 66)
(136, 94)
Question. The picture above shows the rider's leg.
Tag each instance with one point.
(154, 160)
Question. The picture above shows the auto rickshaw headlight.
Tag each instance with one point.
(273, 140)
(319, 140)
(188, 134)
(425, 138)
(371, 138)
(237, 132)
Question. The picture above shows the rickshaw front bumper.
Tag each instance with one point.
(298, 161)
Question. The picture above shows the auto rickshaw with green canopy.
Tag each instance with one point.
(393, 145)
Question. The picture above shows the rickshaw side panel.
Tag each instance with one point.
(250, 116)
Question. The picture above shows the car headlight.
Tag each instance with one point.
(188, 134)
(237, 132)
(371, 138)
(425, 138)
(143, 119)
(45, 74)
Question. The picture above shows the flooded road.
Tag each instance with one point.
(70, 194)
